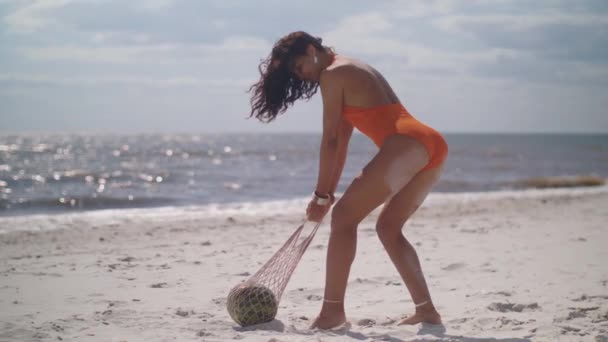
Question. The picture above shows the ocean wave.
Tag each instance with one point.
(561, 181)
(63, 204)
(294, 207)
(85, 177)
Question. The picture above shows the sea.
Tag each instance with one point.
(58, 173)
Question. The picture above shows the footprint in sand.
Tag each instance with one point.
(580, 312)
(159, 285)
(460, 320)
(387, 321)
(600, 317)
(512, 307)
(480, 230)
(127, 259)
(11, 332)
(366, 322)
(56, 327)
(601, 338)
(219, 301)
(453, 266)
(567, 329)
(184, 313)
(506, 322)
(203, 333)
(365, 281)
(205, 316)
(585, 297)
(314, 297)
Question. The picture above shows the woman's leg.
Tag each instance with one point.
(377, 182)
(390, 223)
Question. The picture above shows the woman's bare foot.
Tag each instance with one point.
(424, 314)
(329, 320)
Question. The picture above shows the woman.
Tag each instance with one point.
(409, 161)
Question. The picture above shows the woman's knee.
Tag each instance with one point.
(342, 219)
(388, 231)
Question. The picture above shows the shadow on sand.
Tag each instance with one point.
(437, 330)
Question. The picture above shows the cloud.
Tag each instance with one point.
(154, 5)
(481, 39)
(31, 17)
(405, 10)
(116, 37)
(563, 36)
(47, 80)
(366, 33)
(58, 50)
(157, 53)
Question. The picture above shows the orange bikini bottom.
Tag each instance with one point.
(382, 121)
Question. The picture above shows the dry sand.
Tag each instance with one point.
(501, 266)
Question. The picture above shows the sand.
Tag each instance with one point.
(501, 266)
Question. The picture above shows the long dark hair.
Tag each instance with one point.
(278, 87)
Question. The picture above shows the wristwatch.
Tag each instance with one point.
(320, 200)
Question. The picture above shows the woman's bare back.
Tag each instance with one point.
(364, 86)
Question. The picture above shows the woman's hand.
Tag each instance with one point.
(315, 212)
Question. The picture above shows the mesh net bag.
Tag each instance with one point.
(257, 299)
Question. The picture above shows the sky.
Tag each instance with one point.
(146, 66)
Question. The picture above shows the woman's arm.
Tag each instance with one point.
(332, 140)
(346, 130)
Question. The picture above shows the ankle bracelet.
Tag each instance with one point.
(332, 301)
(423, 303)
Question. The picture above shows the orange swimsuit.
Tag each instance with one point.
(381, 121)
